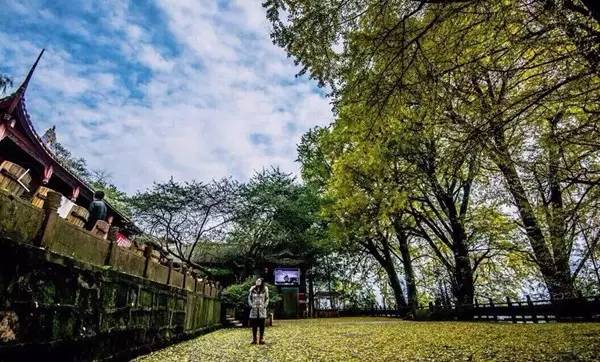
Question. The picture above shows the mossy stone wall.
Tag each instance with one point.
(55, 305)
(67, 294)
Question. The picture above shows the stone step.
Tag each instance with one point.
(234, 323)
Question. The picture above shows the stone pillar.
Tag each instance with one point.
(112, 233)
(148, 255)
(112, 248)
(184, 272)
(170, 264)
(201, 286)
(195, 276)
(52, 202)
(51, 206)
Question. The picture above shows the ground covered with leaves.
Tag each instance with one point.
(382, 339)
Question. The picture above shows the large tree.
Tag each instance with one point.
(277, 216)
(515, 81)
(363, 220)
(182, 216)
(528, 107)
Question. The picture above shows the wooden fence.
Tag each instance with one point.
(583, 309)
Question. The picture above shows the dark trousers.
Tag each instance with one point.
(89, 224)
(257, 323)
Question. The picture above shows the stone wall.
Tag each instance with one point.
(68, 294)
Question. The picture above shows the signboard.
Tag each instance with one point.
(287, 276)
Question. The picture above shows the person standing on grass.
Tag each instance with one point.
(258, 299)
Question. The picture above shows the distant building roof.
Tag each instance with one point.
(16, 124)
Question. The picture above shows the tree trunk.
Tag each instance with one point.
(311, 296)
(461, 272)
(556, 276)
(393, 276)
(453, 216)
(557, 219)
(409, 273)
(465, 285)
(396, 286)
(387, 263)
(463, 275)
(464, 289)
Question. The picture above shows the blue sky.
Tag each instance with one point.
(147, 90)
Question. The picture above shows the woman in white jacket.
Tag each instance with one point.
(258, 299)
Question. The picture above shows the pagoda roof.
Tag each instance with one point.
(13, 107)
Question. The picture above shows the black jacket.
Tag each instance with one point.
(97, 211)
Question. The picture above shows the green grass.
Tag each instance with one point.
(381, 339)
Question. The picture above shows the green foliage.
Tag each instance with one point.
(220, 273)
(312, 155)
(183, 215)
(237, 294)
(469, 124)
(345, 275)
(115, 197)
(277, 216)
(77, 165)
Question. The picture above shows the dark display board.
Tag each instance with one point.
(287, 276)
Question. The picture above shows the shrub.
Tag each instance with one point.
(237, 294)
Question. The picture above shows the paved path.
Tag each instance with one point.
(380, 339)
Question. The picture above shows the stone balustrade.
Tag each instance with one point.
(68, 293)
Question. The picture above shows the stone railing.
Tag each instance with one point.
(66, 292)
(22, 222)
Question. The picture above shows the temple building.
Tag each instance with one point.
(28, 167)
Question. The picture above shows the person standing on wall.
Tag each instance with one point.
(258, 299)
(97, 210)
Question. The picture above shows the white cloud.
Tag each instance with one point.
(193, 115)
(151, 58)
